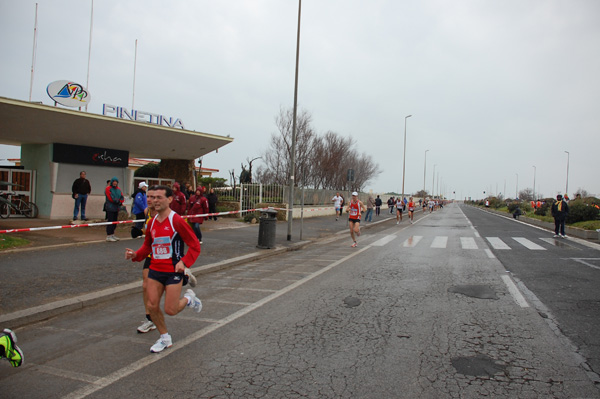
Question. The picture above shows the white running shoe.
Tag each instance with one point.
(111, 239)
(191, 278)
(146, 326)
(116, 238)
(161, 345)
(556, 236)
(195, 302)
(564, 236)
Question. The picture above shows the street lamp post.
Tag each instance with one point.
(293, 155)
(534, 170)
(517, 187)
(425, 171)
(567, 188)
(433, 181)
(404, 160)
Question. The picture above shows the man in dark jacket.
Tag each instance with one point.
(114, 199)
(81, 189)
(560, 210)
(212, 203)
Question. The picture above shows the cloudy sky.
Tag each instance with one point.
(494, 87)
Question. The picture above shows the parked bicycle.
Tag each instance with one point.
(16, 205)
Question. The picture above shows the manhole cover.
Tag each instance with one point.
(478, 366)
(351, 302)
(474, 291)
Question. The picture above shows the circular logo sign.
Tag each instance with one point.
(69, 93)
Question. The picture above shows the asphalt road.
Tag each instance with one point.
(426, 310)
(560, 276)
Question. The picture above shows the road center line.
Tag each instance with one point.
(183, 343)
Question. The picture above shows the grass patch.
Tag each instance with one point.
(587, 225)
(7, 241)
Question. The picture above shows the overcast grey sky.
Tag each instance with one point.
(494, 87)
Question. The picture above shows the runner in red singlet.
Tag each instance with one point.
(411, 209)
(355, 209)
(165, 236)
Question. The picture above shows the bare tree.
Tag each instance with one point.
(526, 194)
(322, 162)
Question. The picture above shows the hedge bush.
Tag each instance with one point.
(579, 211)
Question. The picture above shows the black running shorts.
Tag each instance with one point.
(166, 278)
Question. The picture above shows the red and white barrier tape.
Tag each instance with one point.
(71, 226)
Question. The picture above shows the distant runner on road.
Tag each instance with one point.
(337, 203)
(355, 209)
(411, 209)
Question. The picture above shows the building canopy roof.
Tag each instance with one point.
(23, 122)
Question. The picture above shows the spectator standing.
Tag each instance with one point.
(560, 210)
(139, 209)
(179, 203)
(370, 206)
(114, 200)
(212, 203)
(198, 205)
(378, 203)
(81, 189)
(390, 203)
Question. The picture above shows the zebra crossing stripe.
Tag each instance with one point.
(497, 243)
(411, 241)
(383, 241)
(439, 242)
(468, 243)
(528, 244)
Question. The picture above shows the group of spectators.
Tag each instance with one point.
(186, 201)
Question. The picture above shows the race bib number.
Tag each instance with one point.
(353, 212)
(161, 248)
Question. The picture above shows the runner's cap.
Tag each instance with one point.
(142, 184)
(355, 193)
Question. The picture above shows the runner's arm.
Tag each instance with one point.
(145, 249)
(188, 236)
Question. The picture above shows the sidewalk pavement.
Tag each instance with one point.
(66, 269)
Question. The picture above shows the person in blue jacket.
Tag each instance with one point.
(139, 209)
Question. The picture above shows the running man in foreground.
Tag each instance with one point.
(355, 209)
(9, 349)
(164, 236)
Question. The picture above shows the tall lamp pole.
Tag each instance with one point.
(293, 155)
(567, 188)
(534, 170)
(517, 187)
(425, 171)
(433, 181)
(404, 160)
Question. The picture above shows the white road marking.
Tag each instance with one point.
(183, 343)
(411, 241)
(489, 253)
(497, 243)
(440, 242)
(529, 244)
(383, 241)
(514, 292)
(71, 375)
(468, 243)
(477, 234)
(583, 262)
